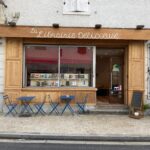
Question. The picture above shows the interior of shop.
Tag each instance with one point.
(109, 76)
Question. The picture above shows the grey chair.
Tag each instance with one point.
(40, 106)
(81, 104)
(53, 105)
(11, 106)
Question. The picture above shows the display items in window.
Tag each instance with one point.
(51, 80)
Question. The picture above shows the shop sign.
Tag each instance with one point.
(39, 33)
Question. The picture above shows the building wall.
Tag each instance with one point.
(2, 58)
(109, 13)
(136, 68)
(147, 75)
(2, 47)
(2, 15)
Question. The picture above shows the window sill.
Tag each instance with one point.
(59, 89)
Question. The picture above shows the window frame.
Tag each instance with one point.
(24, 81)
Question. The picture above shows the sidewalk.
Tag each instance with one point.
(89, 125)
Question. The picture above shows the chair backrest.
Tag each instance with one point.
(137, 99)
(49, 98)
(6, 99)
(85, 98)
(44, 99)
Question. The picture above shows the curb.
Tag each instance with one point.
(38, 136)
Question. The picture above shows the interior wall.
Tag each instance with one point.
(105, 60)
(102, 72)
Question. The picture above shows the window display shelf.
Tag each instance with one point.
(66, 80)
(74, 80)
(74, 83)
(43, 79)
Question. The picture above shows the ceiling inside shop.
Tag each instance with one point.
(109, 52)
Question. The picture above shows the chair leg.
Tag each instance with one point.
(43, 111)
(64, 109)
(54, 108)
(37, 108)
(30, 108)
(70, 108)
(10, 110)
(40, 109)
(81, 108)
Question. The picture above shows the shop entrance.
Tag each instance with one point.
(109, 76)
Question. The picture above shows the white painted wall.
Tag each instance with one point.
(2, 47)
(147, 74)
(109, 13)
(2, 57)
(2, 15)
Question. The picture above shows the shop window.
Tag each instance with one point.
(76, 65)
(41, 61)
(58, 66)
(76, 6)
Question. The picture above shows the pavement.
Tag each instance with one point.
(96, 127)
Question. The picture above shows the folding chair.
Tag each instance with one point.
(81, 105)
(39, 106)
(11, 106)
(53, 105)
(136, 107)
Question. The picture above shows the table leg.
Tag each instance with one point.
(30, 108)
(25, 107)
(64, 108)
(54, 108)
(71, 110)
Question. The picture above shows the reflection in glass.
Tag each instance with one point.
(41, 64)
(76, 66)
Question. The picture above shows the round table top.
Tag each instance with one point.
(26, 98)
(67, 97)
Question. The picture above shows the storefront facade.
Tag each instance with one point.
(75, 47)
(102, 63)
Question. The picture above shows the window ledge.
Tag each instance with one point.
(59, 89)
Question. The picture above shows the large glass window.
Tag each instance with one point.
(58, 66)
(76, 65)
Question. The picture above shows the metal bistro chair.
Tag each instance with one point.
(81, 105)
(53, 105)
(11, 106)
(39, 106)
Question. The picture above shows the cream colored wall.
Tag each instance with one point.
(2, 67)
(109, 13)
(2, 18)
(146, 99)
(2, 49)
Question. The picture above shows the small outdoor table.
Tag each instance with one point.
(67, 99)
(25, 105)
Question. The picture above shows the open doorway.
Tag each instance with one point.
(109, 76)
